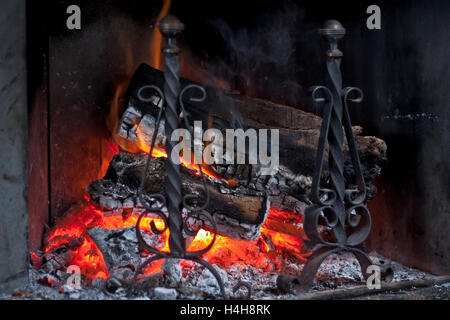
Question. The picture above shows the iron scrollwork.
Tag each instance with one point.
(171, 101)
(340, 209)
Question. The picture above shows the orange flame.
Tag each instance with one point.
(113, 119)
(156, 43)
(161, 153)
(226, 251)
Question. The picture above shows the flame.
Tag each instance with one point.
(72, 230)
(117, 103)
(113, 118)
(161, 153)
(226, 251)
(87, 255)
(156, 43)
(112, 123)
(113, 147)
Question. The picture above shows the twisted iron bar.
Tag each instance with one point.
(173, 178)
(155, 203)
(341, 209)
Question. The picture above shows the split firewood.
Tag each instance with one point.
(239, 212)
(299, 130)
(240, 195)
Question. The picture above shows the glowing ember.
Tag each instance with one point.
(264, 253)
(267, 253)
(161, 153)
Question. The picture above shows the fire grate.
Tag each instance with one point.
(171, 27)
(343, 210)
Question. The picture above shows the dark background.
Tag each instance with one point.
(266, 49)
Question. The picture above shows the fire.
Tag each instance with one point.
(161, 153)
(113, 119)
(112, 123)
(117, 102)
(156, 44)
(86, 255)
(72, 231)
(142, 146)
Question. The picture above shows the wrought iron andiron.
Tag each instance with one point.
(173, 109)
(341, 209)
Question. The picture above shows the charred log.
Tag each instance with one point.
(299, 130)
(238, 212)
(240, 195)
(299, 134)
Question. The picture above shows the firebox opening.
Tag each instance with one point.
(90, 127)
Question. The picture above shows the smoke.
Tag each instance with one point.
(250, 48)
(260, 55)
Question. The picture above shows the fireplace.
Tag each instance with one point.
(94, 96)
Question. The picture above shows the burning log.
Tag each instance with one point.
(239, 212)
(299, 130)
(240, 196)
(299, 133)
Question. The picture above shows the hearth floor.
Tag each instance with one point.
(337, 272)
